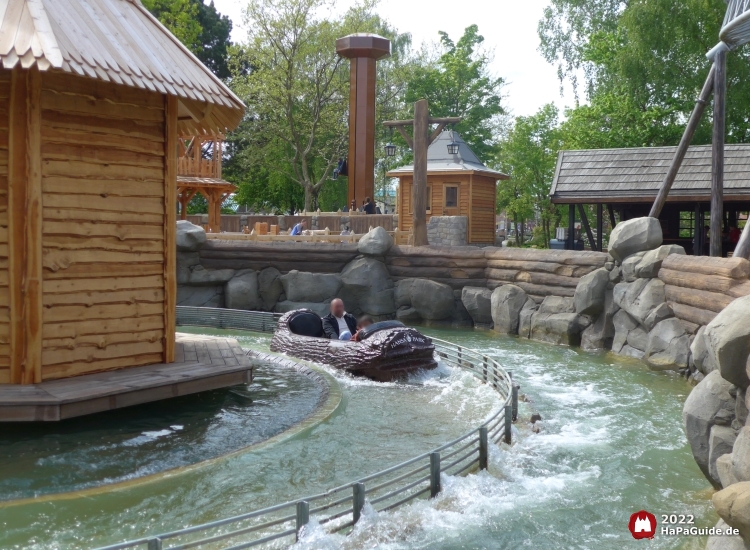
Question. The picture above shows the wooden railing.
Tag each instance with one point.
(316, 236)
(200, 168)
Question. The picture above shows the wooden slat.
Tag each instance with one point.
(66, 370)
(5, 375)
(119, 231)
(103, 340)
(81, 105)
(56, 260)
(148, 131)
(70, 214)
(93, 353)
(83, 327)
(95, 186)
(170, 228)
(61, 314)
(147, 205)
(100, 155)
(100, 90)
(90, 298)
(87, 271)
(78, 169)
(112, 284)
(111, 244)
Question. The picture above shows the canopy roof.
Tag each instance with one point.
(439, 161)
(635, 175)
(116, 41)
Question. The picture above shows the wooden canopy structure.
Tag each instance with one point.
(457, 185)
(93, 97)
(628, 181)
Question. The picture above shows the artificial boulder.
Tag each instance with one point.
(629, 266)
(507, 302)
(408, 315)
(710, 399)
(368, 287)
(668, 345)
(377, 242)
(623, 324)
(433, 301)
(558, 328)
(525, 317)
(478, 302)
(590, 292)
(640, 298)
(200, 296)
(720, 442)
(190, 237)
(241, 292)
(200, 276)
(321, 309)
(733, 506)
(269, 288)
(633, 236)
(701, 357)
(741, 455)
(638, 339)
(600, 335)
(557, 304)
(725, 542)
(728, 341)
(302, 286)
(650, 264)
(724, 470)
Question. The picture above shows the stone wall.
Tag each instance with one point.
(448, 231)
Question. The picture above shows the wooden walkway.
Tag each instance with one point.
(202, 363)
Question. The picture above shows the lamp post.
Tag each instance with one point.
(422, 139)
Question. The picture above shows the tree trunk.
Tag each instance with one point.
(419, 186)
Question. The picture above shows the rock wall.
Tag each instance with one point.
(448, 231)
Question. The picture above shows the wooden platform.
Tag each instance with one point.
(202, 363)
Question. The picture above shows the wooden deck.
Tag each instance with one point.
(201, 363)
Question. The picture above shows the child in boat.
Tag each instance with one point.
(364, 321)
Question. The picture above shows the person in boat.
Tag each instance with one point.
(299, 228)
(364, 322)
(339, 325)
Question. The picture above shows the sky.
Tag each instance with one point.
(508, 26)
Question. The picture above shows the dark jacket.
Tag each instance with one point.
(369, 208)
(331, 325)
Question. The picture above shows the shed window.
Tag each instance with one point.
(451, 196)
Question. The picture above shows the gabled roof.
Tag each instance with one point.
(636, 174)
(439, 161)
(116, 41)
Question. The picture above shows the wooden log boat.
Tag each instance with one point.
(385, 351)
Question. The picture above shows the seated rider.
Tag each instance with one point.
(299, 228)
(339, 325)
(364, 322)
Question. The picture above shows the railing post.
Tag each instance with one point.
(434, 474)
(508, 423)
(303, 515)
(514, 402)
(154, 544)
(484, 368)
(483, 448)
(358, 502)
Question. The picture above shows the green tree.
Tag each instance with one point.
(459, 83)
(180, 17)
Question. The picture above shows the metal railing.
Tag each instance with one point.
(257, 321)
(340, 508)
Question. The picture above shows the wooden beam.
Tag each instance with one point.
(25, 226)
(407, 138)
(571, 227)
(717, 157)
(600, 227)
(436, 132)
(421, 128)
(687, 137)
(612, 219)
(587, 227)
(170, 226)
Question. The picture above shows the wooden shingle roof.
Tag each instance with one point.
(635, 175)
(116, 41)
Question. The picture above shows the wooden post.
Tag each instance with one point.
(170, 227)
(587, 227)
(717, 164)
(358, 500)
(600, 227)
(483, 448)
(687, 137)
(25, 226)
(698, 231)
(419, 186)
(434, 474)
(572, 227)
(612, 219)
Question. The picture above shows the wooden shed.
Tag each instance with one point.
(457, 185)
(627, 181)
(93, 97)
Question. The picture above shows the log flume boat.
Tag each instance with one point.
(385, 351)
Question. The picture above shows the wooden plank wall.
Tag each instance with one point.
(4, 291)
(103, 178)
(482, 211)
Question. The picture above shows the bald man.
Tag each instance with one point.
(337, 323)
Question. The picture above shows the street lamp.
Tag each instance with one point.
(390, 149)
(452, 146)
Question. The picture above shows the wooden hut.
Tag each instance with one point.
(457, 185)
(626, 182)
(93, 97)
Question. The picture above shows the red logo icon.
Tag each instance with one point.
(642, 525)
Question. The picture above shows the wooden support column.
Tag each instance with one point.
(587, 227)
(572, 227)
(717, 165)
(170, 227)
(611, 212)
(421, 129)
(698, 231)
(687, 137)
(25, 226)
(600, 227)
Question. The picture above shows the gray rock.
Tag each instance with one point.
(708, 398)
(650, 264)
(615, 276)
(733, 506)
(558, 328)
(589, 295)
(269, 288)
(241, 292)
(478, 302)
(636, 235)
(408, 315)
(724, 542)
(600, 334)
(640, 298)
(367, 286)
(659, 314)
(557, 304)
(630, 351)
(638, 339)
(461, 317)
(609, 266)
(377, 242)
(507, 302)
(740, 407)
(200, 296)
(200, 276)
(629, 266)
(319, 308)
(724, 470)
(434, 301)
(623, 323)
(701, 357)
(728, 341)
(668, 345)
(525, 317)
(741, 455)
(190, 238)
(302, 286)
(720, 442)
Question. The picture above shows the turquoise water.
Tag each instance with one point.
(611, 444)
